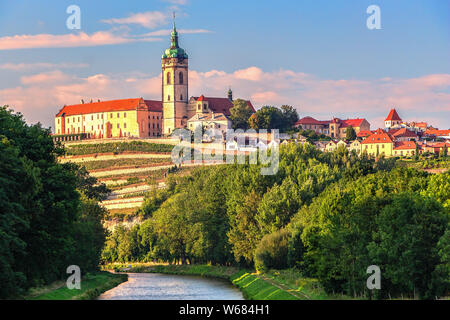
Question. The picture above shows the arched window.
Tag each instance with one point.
(181, 77)
(168, 77)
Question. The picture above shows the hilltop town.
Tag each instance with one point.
(153, 120)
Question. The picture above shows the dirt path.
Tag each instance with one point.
(297, 294)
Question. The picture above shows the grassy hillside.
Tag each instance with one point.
(92, 285)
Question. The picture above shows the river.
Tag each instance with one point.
(154, 286)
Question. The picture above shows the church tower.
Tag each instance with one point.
(174, 85)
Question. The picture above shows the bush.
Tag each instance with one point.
(272, 251)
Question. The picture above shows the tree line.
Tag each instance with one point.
(330, 215)
(49, 216)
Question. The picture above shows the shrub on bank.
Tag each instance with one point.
(272, 251)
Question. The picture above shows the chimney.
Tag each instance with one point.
(82, 101)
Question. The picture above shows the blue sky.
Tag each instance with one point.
(316, 55)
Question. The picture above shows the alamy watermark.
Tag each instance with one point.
(74, 280)
(211, 147)
(374, 281)
(73, 22)
(374, 20)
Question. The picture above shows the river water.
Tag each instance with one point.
(154, 286)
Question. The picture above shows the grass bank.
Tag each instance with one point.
(269, 286)
(92, 285)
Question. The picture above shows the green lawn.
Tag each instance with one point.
(92, 285)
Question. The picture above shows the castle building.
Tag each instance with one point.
(111, 119)
(139, 118)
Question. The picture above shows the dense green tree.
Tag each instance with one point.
(405, 244)
(290, 117)
(244, 234)
(272, 251)
(350, 134)
(278, 205)
(267, 118)
(240, 113)
(45, 225)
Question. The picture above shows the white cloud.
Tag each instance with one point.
(41, 65)
(81, 39)
(167, 32)
(150, 19)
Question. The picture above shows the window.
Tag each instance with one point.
(125, 125)
(118, 126)
(168, 98)
(181, 97)
(92, 118)
(124, 114)
(168, 77)
(118, 115)
(181, 78)
(111, 116)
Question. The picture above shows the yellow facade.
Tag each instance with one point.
(376, 149)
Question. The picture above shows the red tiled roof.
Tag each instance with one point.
(344, 123)
(405, 145)
(153, 105)
(310, 120)
(378, 137)
(364, 133)
(437, 132)
(352, 122)
(221, 105)
(403, 132)
(393, 115)
(105, 106)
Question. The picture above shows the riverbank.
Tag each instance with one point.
(92, 285)
(274, 285)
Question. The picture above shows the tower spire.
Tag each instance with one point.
(174, 39)
(174, 17)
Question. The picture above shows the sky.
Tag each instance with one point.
(318, 56)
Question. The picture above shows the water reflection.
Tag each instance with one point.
(152, 286)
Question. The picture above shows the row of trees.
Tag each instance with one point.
(267, 117)
(49, 216)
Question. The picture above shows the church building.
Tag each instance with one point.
(141, 118)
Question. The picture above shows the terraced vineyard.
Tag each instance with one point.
(129, 169)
